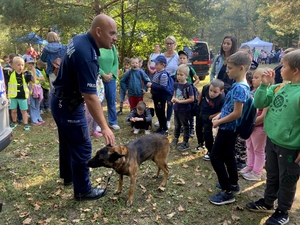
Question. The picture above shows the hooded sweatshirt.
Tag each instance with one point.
(52, 51)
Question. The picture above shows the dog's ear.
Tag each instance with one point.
(115, 156)
(123, 150)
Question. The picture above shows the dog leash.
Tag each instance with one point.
(107, 182)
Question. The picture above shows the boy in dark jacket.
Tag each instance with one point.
(140, 118)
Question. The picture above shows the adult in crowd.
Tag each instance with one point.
(151, 64)
(75, 84)
(228, 47)
(109, 65)
(171, 67)
(277, 69)
(53, 50)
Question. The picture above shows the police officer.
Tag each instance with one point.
(75, 84)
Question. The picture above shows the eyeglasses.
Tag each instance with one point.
(169, 43)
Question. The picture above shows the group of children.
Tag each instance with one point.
(273, 144)
(27, 88)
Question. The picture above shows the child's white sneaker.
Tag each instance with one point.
(136, 131)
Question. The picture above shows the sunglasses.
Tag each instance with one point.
(169, 43)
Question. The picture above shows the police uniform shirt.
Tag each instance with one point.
(79, 68)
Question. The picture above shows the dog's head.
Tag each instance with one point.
(107, 157)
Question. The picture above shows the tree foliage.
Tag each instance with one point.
(142, 23)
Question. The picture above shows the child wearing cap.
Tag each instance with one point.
(159, 93)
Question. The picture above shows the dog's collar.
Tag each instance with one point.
(116, 166)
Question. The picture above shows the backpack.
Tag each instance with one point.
(170, 85)
(55, 65)
(246, 123)
(194, 104)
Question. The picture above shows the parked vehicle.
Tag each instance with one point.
(5, 130)
(200, 59)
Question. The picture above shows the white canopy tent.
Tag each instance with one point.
(259, 45)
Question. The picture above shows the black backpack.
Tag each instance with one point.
(246, 123)
(186, 91)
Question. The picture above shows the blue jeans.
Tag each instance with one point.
(35, 113)
(110, 89)
(75, 147)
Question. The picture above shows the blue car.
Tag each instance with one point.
(5, 130)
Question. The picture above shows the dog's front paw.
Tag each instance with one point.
(129, 203)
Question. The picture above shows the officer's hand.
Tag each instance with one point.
(108, 136)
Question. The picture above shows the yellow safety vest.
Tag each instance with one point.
(45, 84)
(13, 86)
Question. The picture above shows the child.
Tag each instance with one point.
(18, 91)
(159, 92)
(222, 154)
(133, 81)
(41, 66)
(126, 67)
(192, 78)
(257, 141)
(211, 101)
(282, 128)
(36, 93)
(90, 120)
(182, 97)
(140, 118)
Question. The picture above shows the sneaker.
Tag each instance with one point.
(245, 170)
(115, 127)
(278, 218)
(27, 127)
(147, 132)
(183, 146)
(13, 125)
(119, 113)
(156, 124)
(234, 188)
(42, 121)
(192, 133)
(96, 134)
(36, 123)
(252, 176)
(206, 157)
(168, 124)
(222, 198)
(174, 143)
(98, 129)
(260, 206)
(136, 131)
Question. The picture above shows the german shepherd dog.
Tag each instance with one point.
(126, 159)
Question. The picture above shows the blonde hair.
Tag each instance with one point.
(259, 71)
(171, 38)
(183, 69)
(18, 59)
(52, 37)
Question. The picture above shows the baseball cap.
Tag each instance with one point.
(29, 60)
(160, 59)
(183, 52)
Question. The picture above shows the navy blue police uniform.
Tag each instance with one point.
(78, 73)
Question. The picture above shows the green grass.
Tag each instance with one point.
(32, 193)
